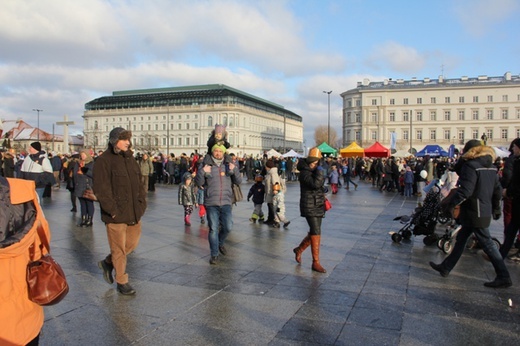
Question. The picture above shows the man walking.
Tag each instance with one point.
(217, 178)
(121, 196)
(478, 195)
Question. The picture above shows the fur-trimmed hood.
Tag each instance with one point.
(479, 151)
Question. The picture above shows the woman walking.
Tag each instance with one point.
(83, 172)
(312, 202)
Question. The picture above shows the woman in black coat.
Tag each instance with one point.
(312, 201)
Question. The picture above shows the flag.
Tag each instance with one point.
(393, 140)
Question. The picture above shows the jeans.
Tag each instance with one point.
(218, 217)
(484, 239)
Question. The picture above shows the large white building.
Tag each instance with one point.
(180, 119)
(433, 111)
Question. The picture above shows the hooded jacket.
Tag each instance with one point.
(217, 184)
(479, 191)
(20, 319)
(117, 184)
(312, 197)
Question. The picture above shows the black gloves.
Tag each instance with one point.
(248, 198)
(84, 170)
(497, 214)
(277, 210)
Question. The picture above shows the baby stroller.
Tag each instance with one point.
(423, 220)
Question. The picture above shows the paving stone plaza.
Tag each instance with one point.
(376, 292)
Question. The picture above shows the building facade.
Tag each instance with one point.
(180, 120)
(433, 111)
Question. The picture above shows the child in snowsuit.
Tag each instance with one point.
(257, 191)
(279, 206)
(334, 179)
(408, 182)
(187, 197)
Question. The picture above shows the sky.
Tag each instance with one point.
(57, 55)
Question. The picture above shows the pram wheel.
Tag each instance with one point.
(443, 218)
(497, 243)
(430, 239)
(447, 247)
(396, 238)
(440, 243)
(407, 234)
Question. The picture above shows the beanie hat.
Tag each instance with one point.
(314, 155)
(516, 142)
(187, 176)
(118, 134)
(472, 143)
(269, 164)
(36, 146)
(218, 146)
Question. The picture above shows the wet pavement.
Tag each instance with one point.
(376, 292)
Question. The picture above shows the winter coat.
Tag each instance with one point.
(146, 167)
(507, 171)
(8, 165)
(187, 194)
(83, 178)
(20, 319)
(513, 188)
(217, 184)
(118, 188)
(312, 196)
(33, 170)
(257, 191)
(408, 177)
(279, 203)
(479, 191)
(334, 177)
(271, 178)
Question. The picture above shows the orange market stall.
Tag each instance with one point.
(353, 150)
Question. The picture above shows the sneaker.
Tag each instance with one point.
(499, 283)
(439, 268)
(107, 271)
(222, 250)
(355, 187)
(286, 224)
(213, 260)
(125, 289)
(252, 220)
(515, 257)
(202, 221)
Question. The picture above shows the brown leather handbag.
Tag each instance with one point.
(46, 281)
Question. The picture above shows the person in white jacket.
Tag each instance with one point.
(37, 167)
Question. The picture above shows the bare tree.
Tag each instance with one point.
(321, 135)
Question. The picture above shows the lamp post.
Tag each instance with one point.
(410, 131)
(328, 126)
(38, 111)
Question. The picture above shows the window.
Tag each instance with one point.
(405, 134)
(406, 116)
(349, 118)
(474, 115)
(517, 133)
(461, 115)
(164, 141)
(447, 115)
(504, 114)
(374, 117)
(419, 101)
(433, 115)
(196, 126)
(461, 99)
(433, 100)
(447, 135)
(447, 99)
(503, 133)
(149, 127)
(490, 98)
(141, 127)
(224, 120)
(187, 126)
(418, 134)
(231, 121)
(373, 135)
(489, 114)
(358, 136)
(349, 103)
(391, 117)
(460, 136)
(179, 141)
(95, 125)
(196, 141)
(164, 127)
(195, 116)
(187, 117)
(179, 126)
(156, 127)
(504, 98)
(374, 102)
(418, 115)
(187, 140)
(518, 113)
(171, 126)
(179, 117)
(405, 101)
(433, 135)
(392, 101)
(489, 134)
(358, 103)
(210, 121)
(475, 99)
(474, 134)
(358, 117)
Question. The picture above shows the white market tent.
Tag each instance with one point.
(402, 153)
(273, 153)
(501, 153)
(292, 153)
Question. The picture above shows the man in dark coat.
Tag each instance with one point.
(121, 196)
(478, 194)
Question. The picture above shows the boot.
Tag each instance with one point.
(315, 248)
(83, 221)
(187, 220)
(88, 223)
(299, 250)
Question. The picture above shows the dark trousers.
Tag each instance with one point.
(484, 239)
(314, 224)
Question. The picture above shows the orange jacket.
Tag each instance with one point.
(20, 319)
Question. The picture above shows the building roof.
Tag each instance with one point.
(186, 95)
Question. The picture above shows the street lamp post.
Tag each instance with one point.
(411, 131)
(328, 126)
(38, 111)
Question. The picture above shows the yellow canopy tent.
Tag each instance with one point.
(353, 150)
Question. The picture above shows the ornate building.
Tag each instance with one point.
(180, 119)
(433, 111)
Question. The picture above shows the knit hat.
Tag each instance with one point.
(472, 143)
(516, 142)
(218, 146)
(118, 134)
(187, 176)
(314, 155)
(36, 146)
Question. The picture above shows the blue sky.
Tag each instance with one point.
(57, 55)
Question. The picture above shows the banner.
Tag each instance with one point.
(393, 140)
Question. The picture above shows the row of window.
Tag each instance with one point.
(446, 116)
(433, 100)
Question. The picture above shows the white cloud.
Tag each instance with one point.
(479, 16)
(397, 57)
